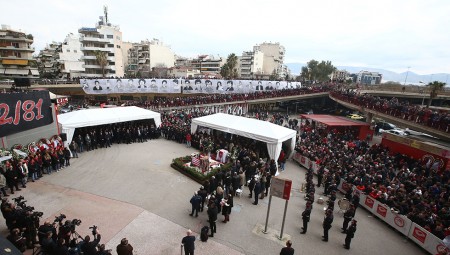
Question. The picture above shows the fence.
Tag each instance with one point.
(401, 223)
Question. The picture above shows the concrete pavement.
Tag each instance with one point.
(131, 191)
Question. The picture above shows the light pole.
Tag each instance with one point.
(404, 84)
(423, 98)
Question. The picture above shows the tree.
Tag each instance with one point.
(102, 60)
(435, 87)
(315, 71)
(229, 69)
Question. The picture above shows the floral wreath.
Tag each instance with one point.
(4, 152)
(19, 147)
(44, 144)
(58, 140)
(32, 147)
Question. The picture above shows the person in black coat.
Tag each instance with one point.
(288, 250)
(196, 201)
(212, 217)
(350, 234)
(88, 247)
(327, 224)
(257, 190)
(305, 217)
(12, 178)
(203, 194)
(189, 243)
(348, 216)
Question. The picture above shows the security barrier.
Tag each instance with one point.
(401, 223)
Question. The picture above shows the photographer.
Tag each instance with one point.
(102, 250)
(44, 229)
(48, 246)
(61, 248)
(16, 238)
(90, 247)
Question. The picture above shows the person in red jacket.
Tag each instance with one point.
(188, 140)
(282, 160)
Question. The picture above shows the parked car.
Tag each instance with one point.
(355, 116)
(385, 126)
(397, 132)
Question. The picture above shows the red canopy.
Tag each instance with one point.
(333, 120)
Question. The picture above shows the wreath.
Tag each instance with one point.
(32, 148)
(4, 152)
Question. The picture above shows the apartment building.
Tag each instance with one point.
(273, 57)
(48, 61)
(369, 78)
(143, 57)
(250, 63)
(106, 38)
(71, 65)
(16, 54)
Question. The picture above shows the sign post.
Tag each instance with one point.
(281, 188)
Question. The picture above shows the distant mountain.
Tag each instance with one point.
(413, 78)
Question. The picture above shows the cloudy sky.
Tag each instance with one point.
(386, 34)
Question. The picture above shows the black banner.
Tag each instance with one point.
(23, 111)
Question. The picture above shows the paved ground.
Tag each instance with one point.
(131, 191)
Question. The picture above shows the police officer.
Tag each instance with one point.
(327, 224)
(305, 216)
(348, 216)
(350, 234)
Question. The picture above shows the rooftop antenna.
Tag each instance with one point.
(105, 10)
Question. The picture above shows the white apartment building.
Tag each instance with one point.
(369, 78)
(16, 54)
(273, 58)
(71, 65)
(161, 55)
(250, 63)
(106, 38)
(144, 56)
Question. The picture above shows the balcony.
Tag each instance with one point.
(13, 48)
(93, 48)
(95, 39)
(16, 39)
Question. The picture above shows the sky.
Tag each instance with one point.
(392, 35)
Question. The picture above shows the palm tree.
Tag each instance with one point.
(435, 87)
(102, 60)
(232, 62)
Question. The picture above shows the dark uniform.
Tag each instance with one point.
(305, 216)
(350, 234)
(212, 217)
(327, 224)
(348, 216)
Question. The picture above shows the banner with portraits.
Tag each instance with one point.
(185, 86)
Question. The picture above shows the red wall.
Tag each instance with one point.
(418, 154)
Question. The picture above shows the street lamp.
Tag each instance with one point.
(423, 98)
(406, 76)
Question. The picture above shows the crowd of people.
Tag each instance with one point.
(418, 189)
(401, 109)
(165, 102)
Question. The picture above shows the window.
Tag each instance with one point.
(110, 45)
(68, 50)
(118, 46)
(118, 37)
(110, 36)
(110, 54)
(75, 51)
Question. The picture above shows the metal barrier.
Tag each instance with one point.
(401, 223)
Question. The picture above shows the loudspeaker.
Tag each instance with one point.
(22, 82)
(63, 136)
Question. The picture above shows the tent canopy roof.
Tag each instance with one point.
(102, 116)
(252, 128)
(333, 120)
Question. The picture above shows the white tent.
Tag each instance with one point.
(264, 131)
(101, 116)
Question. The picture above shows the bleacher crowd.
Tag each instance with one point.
(418, 189)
